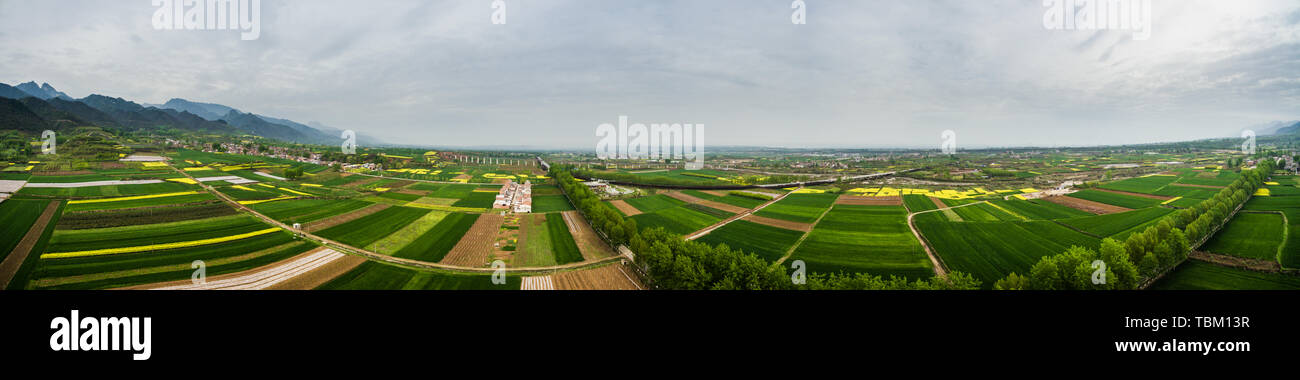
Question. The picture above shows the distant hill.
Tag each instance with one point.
(1292, 129)
(42, 106)
(43, 91)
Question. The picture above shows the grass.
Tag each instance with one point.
(1121, 200)
(1112, 224)
(370, 228)
(378, 276)
(562, 244)
(802, 208)
(551, 203)
(990, 251)
(434, 244)
(1196, 275)
(1250, 235)
(767, 242)
(18, 216)
(864, 239)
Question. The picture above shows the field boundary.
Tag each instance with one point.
(738, 216)
(940, 269)
(15, 259)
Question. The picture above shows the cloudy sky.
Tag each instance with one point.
(858, 74)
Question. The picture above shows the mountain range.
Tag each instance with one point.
(32, 107)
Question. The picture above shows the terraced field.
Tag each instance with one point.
(864, 239)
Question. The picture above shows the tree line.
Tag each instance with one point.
(1143, 255)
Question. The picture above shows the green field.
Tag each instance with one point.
(864, 239)
(767, 242)
(918, 203)
(147, 202)
(1113, 224)
(169, 265)
(307, 210)
(110, 191)
(1121, 200)
(477, 199)
(18, 216)
(142, 235)
(733, 200)
(802, 208)
(1145, 185)
(373, 275)
(990, 251)
(1289, 206)
(1196, 275)
(562, 244)
(1038, 209)
(437, 241)
(394, 242)
(551, 203)
(654, 203)
(370, 228)
(678, 220)
(1249, 235)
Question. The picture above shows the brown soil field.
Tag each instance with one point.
(344, 218)
(1200, 186)
(624, 207)
(10, 266)
(588, 242)
(321, 275)
(475, 248)
(1086, 205)
(938, 202)
(796, 226)
(608, 277)
(718, 205)
(868, 201)
(1139, 195)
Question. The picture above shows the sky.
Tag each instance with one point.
(866, 74)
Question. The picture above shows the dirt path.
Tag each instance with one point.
(475, 248)
(939, 269)
(607, 277)
(10, 266)
(627, 209)
(778, 223)
(588, 242)
(348, 217)
(1086, 205)
(736, 217)
(1139, 195)
(938, 202)
(717, 205)
(1237, 262)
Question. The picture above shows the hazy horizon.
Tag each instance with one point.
(865, 75)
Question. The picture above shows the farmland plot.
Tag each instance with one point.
(18, 216)
(1121, 200)
(654, 203)
(864, 239)
(1038, 209)
(1196, 275)
(803, 208)
(767, 242)
(1112, 224)
(434, 244)
(378, 276)
(680, 220)
(370, 228)
(990, 251)
(170, 265)
(1289, 206)
(1249, 235)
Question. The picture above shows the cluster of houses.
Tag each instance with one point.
(515, 197)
